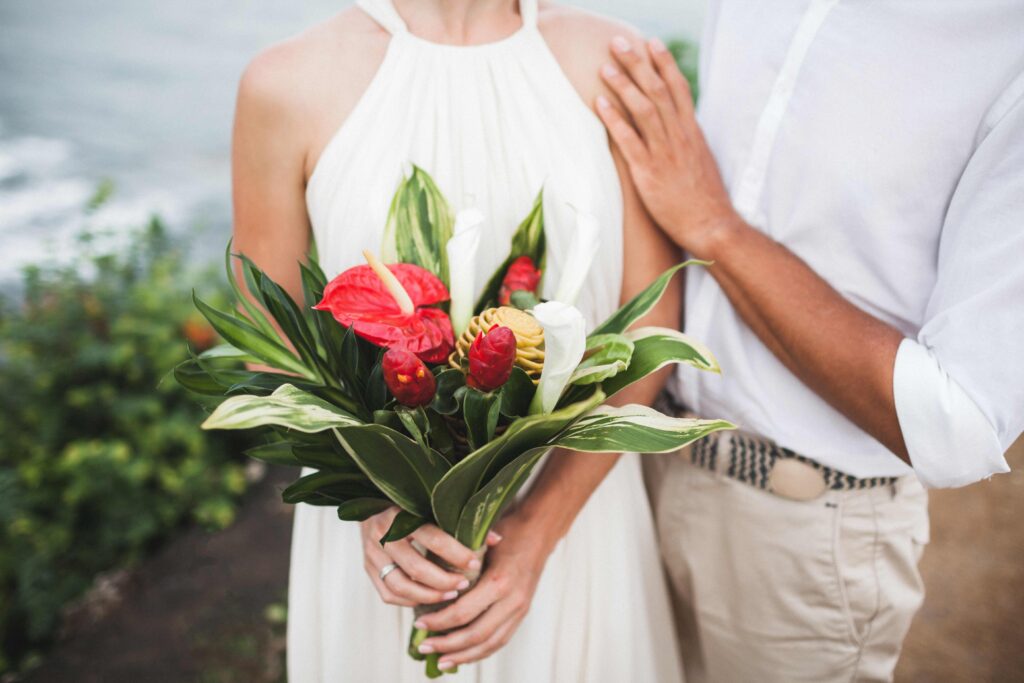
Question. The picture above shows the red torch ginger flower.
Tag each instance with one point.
(491, 357)
(409, 380)
(522, 275)
(390, 306)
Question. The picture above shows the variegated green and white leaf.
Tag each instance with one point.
(607, 355)
(656, 347)
(636, 429)
(227, 351)
(420, 223)
(643, 302)
(287, 407)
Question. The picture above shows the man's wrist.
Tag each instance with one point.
(718, 236)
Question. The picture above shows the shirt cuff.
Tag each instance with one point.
(950, 441)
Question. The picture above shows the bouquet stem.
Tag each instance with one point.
(418, 635)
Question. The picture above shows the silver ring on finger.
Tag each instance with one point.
(387, 569)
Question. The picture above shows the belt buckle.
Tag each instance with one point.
(796, 480)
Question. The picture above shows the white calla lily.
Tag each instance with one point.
(580, 256)
(462, 251)
(565, 341)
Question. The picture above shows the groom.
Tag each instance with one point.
(857, 177)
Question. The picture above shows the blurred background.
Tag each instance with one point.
(133, 547)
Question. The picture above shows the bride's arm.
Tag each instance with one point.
(496, 606)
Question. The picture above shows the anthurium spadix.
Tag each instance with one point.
(565, 341)
(583, 246)
(462, 250)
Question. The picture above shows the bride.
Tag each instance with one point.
(491, 98)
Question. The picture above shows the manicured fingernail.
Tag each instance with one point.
(444, 666)
(609, 71)
(426, 649)
(602, 102)
(620, 44)
(657, 45)
(420, 624)
(450, 595)
(463, 585)
(494, 537)
(474, 565)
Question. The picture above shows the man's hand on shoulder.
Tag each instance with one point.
(651, 119)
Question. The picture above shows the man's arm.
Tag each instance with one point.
(842, 353)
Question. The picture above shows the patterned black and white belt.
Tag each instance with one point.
(764, 464)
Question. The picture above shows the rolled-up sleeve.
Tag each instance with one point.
(959, 386)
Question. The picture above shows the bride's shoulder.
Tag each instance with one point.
(328, 59)
(580, 42)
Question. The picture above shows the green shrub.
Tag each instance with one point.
(100, 450)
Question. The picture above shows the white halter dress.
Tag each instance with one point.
(492, 124)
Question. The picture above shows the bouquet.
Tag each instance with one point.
(401, 386)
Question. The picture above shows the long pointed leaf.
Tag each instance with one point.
(464, 479)
(396, 464)
(643, 302)
(635, 428)
(255, 314)
(656, 347)
(287, 407)
(242, 335)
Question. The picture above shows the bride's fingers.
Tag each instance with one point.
(622, 132)
(373, 563)
(475, 653)
(464, 610)
(446, 547)
(421, 570)
(402, 586)
(473, 634)
(640, 108)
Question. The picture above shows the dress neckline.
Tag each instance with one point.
(386, 14)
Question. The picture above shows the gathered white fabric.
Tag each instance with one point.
(492, 124)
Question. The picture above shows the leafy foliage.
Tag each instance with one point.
(100, 456)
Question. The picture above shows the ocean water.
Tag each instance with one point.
(141, 93)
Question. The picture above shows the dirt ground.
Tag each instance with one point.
(209, 608)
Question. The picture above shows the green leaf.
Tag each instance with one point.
(274, 453)
(517, 393)
(643, 302)
(294, 326)
(528, 240)
(656, 347)
(464, 479)
(227, 352)
(376, 393)
(362, 509)
(420, 223)
(480, 411)
(242, 335)
(338, 486)
(487, 504)
(193, 377)
(404, 524)
(448, 382)
(255, 314)
(607, 355)
(396, 464)
(635, 428)
(286, 407)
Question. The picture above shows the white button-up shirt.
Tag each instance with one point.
(883, 143)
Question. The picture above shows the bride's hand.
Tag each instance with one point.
(490, 613)
(415, 580)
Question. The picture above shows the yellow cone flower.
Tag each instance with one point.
(529, 338)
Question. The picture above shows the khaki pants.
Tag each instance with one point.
(770, 589)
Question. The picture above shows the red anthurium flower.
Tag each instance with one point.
(491, 357)
(521, 275)
(389, 306)
(410, 381)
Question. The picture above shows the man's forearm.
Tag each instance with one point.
(842, 353)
